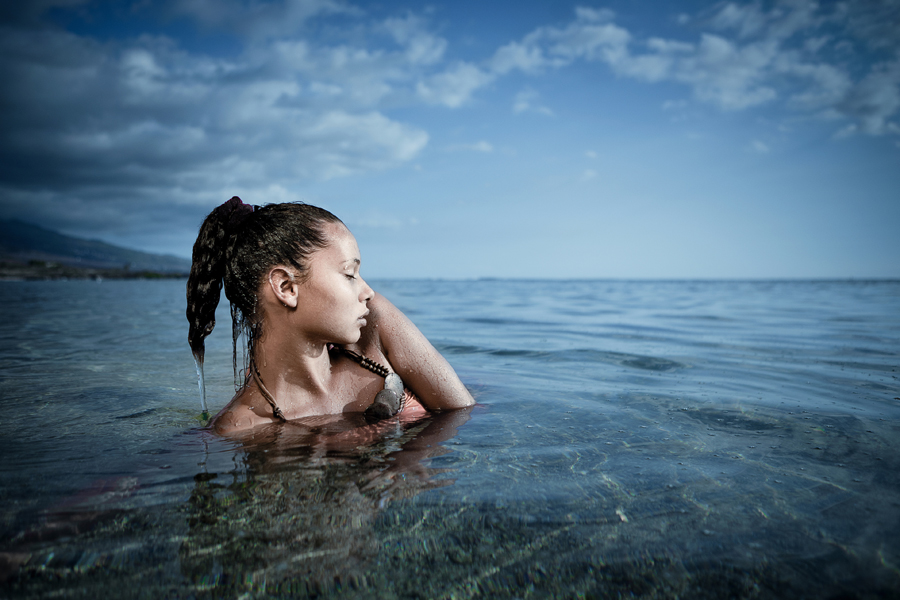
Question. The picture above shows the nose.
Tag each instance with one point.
(367, 293)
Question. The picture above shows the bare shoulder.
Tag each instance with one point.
(412, 356)
(382, 324)
(389, 332)
(384, 315)
(238, 415)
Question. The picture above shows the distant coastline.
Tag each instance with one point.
(40, 270)
(32, 252)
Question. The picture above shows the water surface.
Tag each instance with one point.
(659, 439)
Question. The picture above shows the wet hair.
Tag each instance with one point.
(236, 247)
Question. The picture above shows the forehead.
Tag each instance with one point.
(341, 246)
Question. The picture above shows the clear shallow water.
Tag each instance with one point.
(663, 439)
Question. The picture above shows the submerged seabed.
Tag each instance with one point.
(638, 439)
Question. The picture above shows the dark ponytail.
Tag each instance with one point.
(235, 248)
(208, 270)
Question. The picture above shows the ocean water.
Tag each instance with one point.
(672, 439)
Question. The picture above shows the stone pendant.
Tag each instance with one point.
(389, 401)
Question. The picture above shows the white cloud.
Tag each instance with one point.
(588, 40)
(725, 74)
(747, 19)
(144, 118)
(258, 20)
(750, 20)
(815, 44)
(295, 107)
(674, 105)
(828, 83)
(758, 147)
(756, 55)
(589, 37)
(527, 101)
(358, 143)
(422, 47)
(480, 146)
(846, 131)
(455, 86)
(583, 13)
(141, 75)
(363, 77)
(108, 136)
(876, 99)
(136, 108)
(514, 55)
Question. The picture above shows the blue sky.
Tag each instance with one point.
(470, 139)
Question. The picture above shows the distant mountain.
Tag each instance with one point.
(25, 242)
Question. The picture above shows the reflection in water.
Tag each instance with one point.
(299, 510)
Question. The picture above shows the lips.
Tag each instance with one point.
(362, 319)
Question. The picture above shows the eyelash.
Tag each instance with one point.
(350, 276)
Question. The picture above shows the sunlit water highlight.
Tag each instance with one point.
(658, 439)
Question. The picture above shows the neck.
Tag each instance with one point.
(294, 373)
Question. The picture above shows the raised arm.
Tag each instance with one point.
(424, 371)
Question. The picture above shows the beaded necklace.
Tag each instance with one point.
(388, 402)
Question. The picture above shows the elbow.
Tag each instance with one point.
(463, 399)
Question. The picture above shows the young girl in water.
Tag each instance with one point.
(320, 341)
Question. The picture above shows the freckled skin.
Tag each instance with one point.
(333, 304)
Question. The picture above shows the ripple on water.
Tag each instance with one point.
(573, 355)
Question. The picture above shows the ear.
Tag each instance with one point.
(284, 285)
